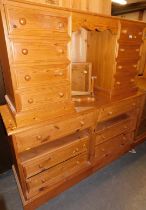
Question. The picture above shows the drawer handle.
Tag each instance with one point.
(58, 73)
(137, 50)
(118, 83)
(124, 31)
(22, 21)
(120, 67)
(140, 33)
(84, 145)
(135, 66)
(60, 25)
(124, 138)
(135, 37)
(61, 51)
(57, 127)
(82, 123)
(30, 101)
(43, 181)
(85, 72)
(134, 104)
(132, 80)
(27, 77)
(24, 51)
(130, 36)
(78, 162)
(76, 150)
(61, 95)
(39, 138)
(103, 150)
(125, 127)
(110, 113)
(122, 50)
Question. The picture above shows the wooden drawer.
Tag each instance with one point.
(131, 32)
(117, 109)
(41, 158)
(124, 66)
(114, 127)
(28, 22)
(35, 137)
(28, 76)
(114, 146)
(127, 52)
(56, 174)
(41, 96)
(39, 51)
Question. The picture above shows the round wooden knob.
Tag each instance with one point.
(82, 123)
(120, 67)
(22, 21)
(39, 137)
(60, 25)
(137, 50)
(130, 36)
(61, 51)
(140, 33)
(61, 95)
(30, 101)
(118, 83)
(24, 51)
(85, 72)
(135, 66)
(132, 80)
(27, 78)
(122, 50)
(124, 31)
(135, 37)
(77, 149)
(58, 73)
(134, 104)
(43, 181)
(78, 162)
(124, 138)
(110, 113)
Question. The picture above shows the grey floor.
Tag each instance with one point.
(119, 186)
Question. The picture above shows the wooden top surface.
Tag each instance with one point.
(81, 108)
(70, 10)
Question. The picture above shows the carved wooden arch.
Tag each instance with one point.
(94, 22)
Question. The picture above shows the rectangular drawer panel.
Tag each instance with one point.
(41, 158)
(131, 32)
(30, 51)
(129, 52)
(37, 22)
(114, 146)
(35, 137)
(41, 96)
(28, 76)
(117, 109)
(124, 66)
(56, 174)
(114, 129)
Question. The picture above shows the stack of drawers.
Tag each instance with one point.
(37, 43)
(129, 47)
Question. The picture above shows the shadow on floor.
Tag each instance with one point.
(2, 203)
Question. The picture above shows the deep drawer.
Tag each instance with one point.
(28, 76)
(35, 137)
(37, 52)
(41, 96)
(37, 22)
(55, 175)
(44, 157)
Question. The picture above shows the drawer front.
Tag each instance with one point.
(117, 109)
(56, 174)
(129, 52)
(123, 92)
(52, 158)
(124, 66)
(28, 76)
(27, 99)
(25, 52)
(114, 146)
(131, 32)
(114, 130)
(28, 21)
(35, 137)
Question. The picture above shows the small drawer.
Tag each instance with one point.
(30, 51)
(129, 52)
(123, 66)
(44, 157)
(114, 127)
(41, 135)
(131, 32)
(28, 76)
(26, 100)
(28, 22)
(55, 175)
(117, 108)
(114, 146)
